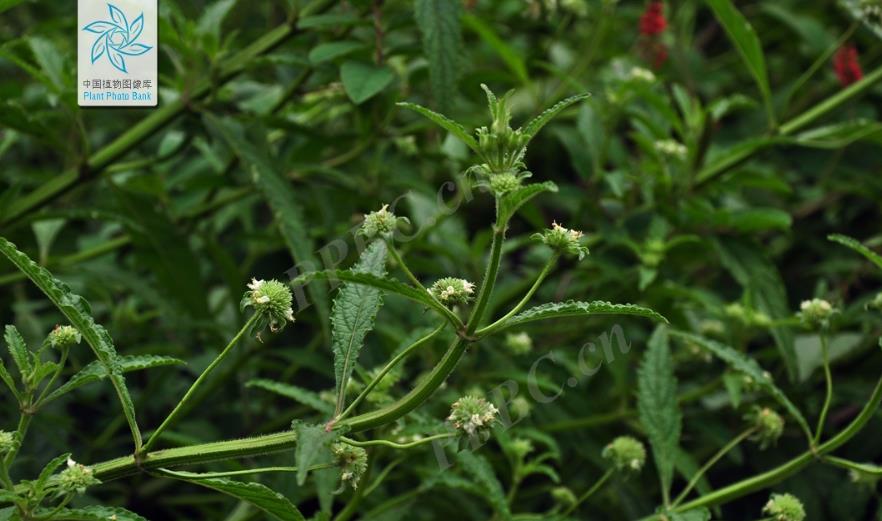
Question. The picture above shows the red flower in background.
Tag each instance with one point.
(847, 66)
(653, 21)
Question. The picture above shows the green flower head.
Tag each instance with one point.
(563, 240)
(816, 312)
(381, 223)
(76, 478)
(450, 290)
(768, 425)
(271, 301)
(352, 462)
(625, 453)
(64, 337)
(7, 442)
(784, 507)
(473, 415)
(518, 343)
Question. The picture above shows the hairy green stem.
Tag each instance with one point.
(395, 445)
(388, 367)
(588, 493)
(710, 463)
(489, 276)
(828, 381)
(792, 466)
(180, 407)
(520, 305)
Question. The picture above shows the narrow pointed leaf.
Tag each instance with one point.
(18, 350)
(97, 513)
(858, 247)
(444, 122)
(512, 201)
(574, 308)
(260, 496)
(298, 394)
(76, 309)
(355, 310)
(657, 405)
(95, 371)
(535, 125)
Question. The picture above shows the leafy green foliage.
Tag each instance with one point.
(275, 504)
(312, 447)
(660, 415)
(580, 309)
(298, 394)
(439, 23)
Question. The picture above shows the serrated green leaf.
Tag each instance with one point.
(98, 513)
(512, 201)
(363, 81)
(535, 125)
(444, 122)
(298, 394)
(261, 496)
(76, 309)
(313, 447)
(439, 23)
(575, 308)
(283, 202)
(748, 366)
(482, 472)
(95, 371)
(855, 245)
(19, 352)
(657, 405)
(8, 380)
(746, 42)
(355, 310)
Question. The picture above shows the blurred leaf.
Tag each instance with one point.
(748, 366)
(657, 405)
(439, 23)
(213, 16)
(746, 41)
(298, 394)
(261, 496)
(325, 52)
(355, 310)
(840, 135)
(701, 514)
(50, 61)
(858, 247)
(45, 232)
(6, 5)
(535, 125)
(362, 81)
(482, 472)
(95, 371)
(511, 57)
(511, 201)
(808, 350)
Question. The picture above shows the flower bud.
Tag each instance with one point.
(563, 240)
(64, 337)
(625, 453)
(816, 312)
(271, 301)
(76, 478)
(563, 496)
(747, 316)
(472, 415)
(518, 343)
(521, 447)
(450, 290)
(769, 426)
(671, 148)
(7, 442)
(381, 223)
(352, 462)
(784, 507)
(520, 407)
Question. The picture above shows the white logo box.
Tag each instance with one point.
(117, 49)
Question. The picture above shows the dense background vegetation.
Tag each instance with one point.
(705, 172)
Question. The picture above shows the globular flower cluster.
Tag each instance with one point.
(816, 312)
(352, 462)
(472, 415)
(625, 453)
(518, 343)
(563, 240)
(381, 223)
(768, 425)
(7, 442)
(271, 301)
(64, 337)
(784, 507)
(846, 65)
(450, 290)
(76, 478)
(747, 316)
(671, 148)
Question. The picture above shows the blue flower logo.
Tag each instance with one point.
(117, 38)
